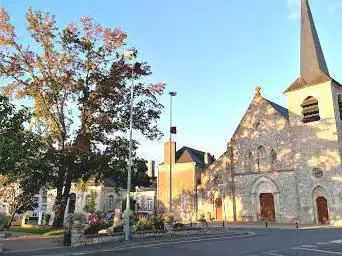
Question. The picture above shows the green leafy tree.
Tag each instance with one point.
(91, 204)
(20, 152)
(79, 85)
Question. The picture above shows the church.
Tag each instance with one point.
(284, 164)
(281, 164)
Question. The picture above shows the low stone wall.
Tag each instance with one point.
(78, 238)
(2, 239)
(103, 239)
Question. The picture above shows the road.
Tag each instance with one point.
(272, 242)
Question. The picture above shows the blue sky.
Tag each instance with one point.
(213, 53)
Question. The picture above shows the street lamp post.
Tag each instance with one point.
(129, 55)
(172, 130)
(223, 194)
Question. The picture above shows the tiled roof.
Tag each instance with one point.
(196, 155)
(313, 68)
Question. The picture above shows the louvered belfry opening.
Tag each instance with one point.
(310, 110)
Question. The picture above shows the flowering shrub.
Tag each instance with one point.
(96, 222)
(96, 217)
(78, 217)
(144, 224)
(158, 222)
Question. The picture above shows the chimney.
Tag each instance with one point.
(167, 152)
(206, 158)
(151, 169)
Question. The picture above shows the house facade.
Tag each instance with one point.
(187, 167)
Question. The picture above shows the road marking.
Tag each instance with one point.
(322, 243)
(248, 234)
(339, 241)
(314, 227)
(308, 246)
(273, 253)
(316, 250)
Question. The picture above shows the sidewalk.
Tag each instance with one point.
(261, 225)
(26, 241)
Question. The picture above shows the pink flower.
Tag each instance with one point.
(71, 27)
(113, 38)
(158, 88)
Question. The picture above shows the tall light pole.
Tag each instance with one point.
(172, 131)
(131, 56)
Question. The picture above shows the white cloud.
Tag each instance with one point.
(293, 7)
(333, 8)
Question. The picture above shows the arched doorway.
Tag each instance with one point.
(267, 210)
(218, 207)
(322, 210)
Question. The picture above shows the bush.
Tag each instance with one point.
(46, 219)
(4, 221)
(178, 226)
(118, 228)
(94, 228)
(202, 219)
(80, 217)
(144, 224)
(158, 222)
(168, 217)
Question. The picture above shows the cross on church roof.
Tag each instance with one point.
(257, 90)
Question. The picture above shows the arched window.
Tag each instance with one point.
(110, 202)
(310, 110)
(339, 99)
(261, 154)
(273, 156)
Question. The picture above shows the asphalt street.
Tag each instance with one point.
(273, 242)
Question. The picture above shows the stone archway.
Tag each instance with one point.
(265, 199)
(321, 203)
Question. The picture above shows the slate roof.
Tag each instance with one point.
(196, 155)
(313, 68)
(281, 110)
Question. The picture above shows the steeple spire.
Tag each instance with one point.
(313, 68)
(312, 61)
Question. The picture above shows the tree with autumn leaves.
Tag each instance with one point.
(78, 83)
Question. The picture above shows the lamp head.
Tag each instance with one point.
(173, 93)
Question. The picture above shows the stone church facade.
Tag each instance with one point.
(284, 165)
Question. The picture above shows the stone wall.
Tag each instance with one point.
(317, 146)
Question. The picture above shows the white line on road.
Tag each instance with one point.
(322, 243)
(308, 246)
(316, 250)
(339, 241)
(273, 253)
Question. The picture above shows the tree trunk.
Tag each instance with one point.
(12, 218)
(60, 205)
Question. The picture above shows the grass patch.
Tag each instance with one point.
(39, 230)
